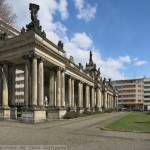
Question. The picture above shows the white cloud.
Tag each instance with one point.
(140, 62)
(85, 10)
(82, 40)
(78, 45)
(62, 8)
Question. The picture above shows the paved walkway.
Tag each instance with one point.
(77, 134)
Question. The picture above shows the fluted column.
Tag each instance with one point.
(63, 88)
(69, 91)
(34, 81)
(5, 85)
(87, 97)
(1, 84)
(58, 94)
(80, 94)
(105, 99)
(26, 83)
(72, 92)
(40, 83)
(98, 98)
(52, 88)
(11, 85)
(92, 97)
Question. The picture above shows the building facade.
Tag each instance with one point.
(47, 81)
(146, 93)
(133, 94)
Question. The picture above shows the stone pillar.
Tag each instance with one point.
(26, 83)
(63, 88)
(79, 94)
(1, 84)
(92, 99)
(105, 99)
(4, 109)
(98, 98)
(11, 85)
(58, 89)
(52, 88)
(40, 83)
(34, 81)
(81, 86)
(87, 96)
(72, 93)
(108, 102)
(69, 91)
(5, 85)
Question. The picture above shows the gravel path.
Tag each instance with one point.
(77, 134)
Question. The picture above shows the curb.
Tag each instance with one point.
(107, 129)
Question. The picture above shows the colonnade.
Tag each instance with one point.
(62, 92)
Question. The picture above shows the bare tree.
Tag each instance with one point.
(6, 12)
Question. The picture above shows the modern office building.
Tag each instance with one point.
(133, 94)
(130, 93)
(146, 93)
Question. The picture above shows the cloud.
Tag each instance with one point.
(85, 10)
(79, 44)
(62, 8)
(140, 62)
(82, 40)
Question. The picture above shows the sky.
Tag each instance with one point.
(116, 31)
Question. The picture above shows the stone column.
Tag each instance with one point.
(69, 91)
(98, 98)
(87, 97)
(58, 96)
(1, 84)
(105, 99)
(63, 88)
(72, 93)
(40, 83)
(5, 85)
(52, 88)
(81, 86)
(108, 101)
(79, 94)
(26, 83)
(11, 85)
(116, 102)
(92, 97)
(34, 81)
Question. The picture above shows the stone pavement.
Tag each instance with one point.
(77, 134)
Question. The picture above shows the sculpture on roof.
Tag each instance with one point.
(91, 60)
(98, 72)
(60, 45)
(34, 25)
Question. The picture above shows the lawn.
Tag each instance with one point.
(135, 121)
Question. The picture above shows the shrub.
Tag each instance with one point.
(109, 110)
(71, 115)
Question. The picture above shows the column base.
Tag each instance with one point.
(33, 114)
(13, 113)
(92, 109)
(87, 109)
(80, 110)
(5, 112)
(57, 112)
(69, 109)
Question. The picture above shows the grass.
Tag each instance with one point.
(135, 121)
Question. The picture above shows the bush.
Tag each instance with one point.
(87, 113)
(109, 110)
(71, 115)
